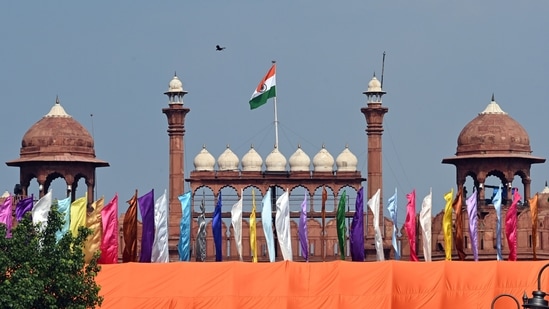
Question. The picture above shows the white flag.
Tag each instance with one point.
(40, 211)
(373, 204)
(160, 252)
(236, 220)
(425, 221)
(282, 224)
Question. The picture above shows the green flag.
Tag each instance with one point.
(340, 219)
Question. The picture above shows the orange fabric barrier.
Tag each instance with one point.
(340, 284)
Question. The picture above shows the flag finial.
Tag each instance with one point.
(273, 61)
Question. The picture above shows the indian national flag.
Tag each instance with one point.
(265, 90)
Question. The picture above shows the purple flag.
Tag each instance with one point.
(472, 212)
(216, 229)
(357, 229)
(22, 207)
(6, 214)
(146, 207)
(303, 235)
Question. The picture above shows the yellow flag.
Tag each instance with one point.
(93, 222)
(253, 235)
(78, 214)
(447, 224)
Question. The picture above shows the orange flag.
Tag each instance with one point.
(129, 229)
(534, 213)
(457, 206)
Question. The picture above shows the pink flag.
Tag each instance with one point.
(109, 242)
(6, 216)
(410, 224)
(511, 226)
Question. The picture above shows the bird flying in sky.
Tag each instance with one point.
(219, 48)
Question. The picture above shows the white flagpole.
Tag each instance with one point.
(276, 118)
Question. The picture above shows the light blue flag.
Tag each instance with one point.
(64, 208)
(184, 245)
(497, 205)
(392, 207)
(267, 222)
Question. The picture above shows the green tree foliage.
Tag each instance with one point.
(36, 271)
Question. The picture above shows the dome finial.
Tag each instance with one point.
(374, 74)
(493, 99)
(56, 99)
(174, 73)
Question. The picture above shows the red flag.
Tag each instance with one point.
(410, 224)
(109, 242)
(511, 226)
(458, 236)
(129, 228)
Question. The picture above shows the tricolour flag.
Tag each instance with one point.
(64, 208)
(356, 234)
(282, 224)
(392, 207)
(40, 211)
(410, 224)
(146, 207)
(184, 244)
(109, 242)
(93, 222)
(216, 229)
(511, 226)
(129, 230)
(340, 223)
(373, 204)
(265, 90)
(302, 228)
(497, 205)
(425, 222)
(458, 239)
(201, 235)
(267, 222)
(160, 252)
(236, 221)
(253, 231)
(472, 211)
(6, 217)
(534, 213)
(447, 224)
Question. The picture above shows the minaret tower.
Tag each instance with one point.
(176, 130)
(374, 113)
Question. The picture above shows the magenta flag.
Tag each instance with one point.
(146, 207)
(109, 242)
(356, 237)
(472, 212)
(22, 207)
(511, 226)
(6, 214)
(410, 224)
(303, 234)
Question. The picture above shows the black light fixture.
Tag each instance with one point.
(502, 295)
(538, 297)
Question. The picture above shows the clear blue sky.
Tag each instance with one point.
(114, 59)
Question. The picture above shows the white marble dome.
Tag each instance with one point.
(346, 161)
(204, 161)
(227, 161)
(275, 161)
(175, 85)
(323, 161)
(300, 161)
(252, 161)
(374, 85)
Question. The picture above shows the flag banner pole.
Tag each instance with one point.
(276, 123)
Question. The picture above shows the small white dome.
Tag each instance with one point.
(175, 85)
(227, 161)
(204, 161)
(346, 161)
(323, 161)
(275, 161)
(300, 161)
(57, 110)
(374, 85)
(252, 161)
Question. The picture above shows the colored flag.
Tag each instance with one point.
(184, 244)
(267, 222)
(282, 224)
(447, 224)
(392, 207)
(23, 206)
(410, 224)
(64, 208)
(201, 235)
(129, 230)
(511, 226)
(146, 207)
(109, 242)
(323, 215)
(497, 205)
(373, 204)
(253, 231)
(425, 222)
(340, 222)
(160, 251)
(472, 212)
(6, 216)
(458, 238)
(265, 90)
(356, 234)
(303, 233)
(40, 211)
(216, 229)
(93, 222)
(236, 221)
(78, 214)
(534, 213)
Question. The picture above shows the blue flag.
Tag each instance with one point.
(184, 245)
(64, 208)
(23, 206)
(267, 222)
(216, 229)
(497, 205)
(392, 207)
(356, 235)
